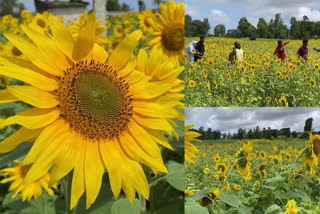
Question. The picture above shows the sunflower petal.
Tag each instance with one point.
(126, 172)
(24, 74)
(85, 40)
(50, 133)
(34, 96)
(20, 136)
(93, 171)
(123, 52)
(7, 97)
(49, 49)
(63, 163)
(78, 185)
(153, 123)
(46, 158)
(62, 36)
(131, 147)
(32, 118)
(32, 53)
(148, 90)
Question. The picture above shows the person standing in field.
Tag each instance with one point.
(303, 50)
(190, 51)
(236, 54)
(279, 51)
(199, 49)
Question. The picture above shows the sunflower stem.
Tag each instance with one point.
(143, 208)
(43, 203)
(67, 193)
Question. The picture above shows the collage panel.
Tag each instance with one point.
(252, 160)
(91, 106)
(253, 54)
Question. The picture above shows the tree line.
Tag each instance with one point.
(275, 29)
(256, 133)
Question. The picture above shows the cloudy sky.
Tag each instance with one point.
(29, 4)
(231, 119)
(228, 12)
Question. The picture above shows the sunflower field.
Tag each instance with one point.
(91, 113)
(255, 176)
(260, 80)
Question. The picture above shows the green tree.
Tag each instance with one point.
(294, 134)
(245, 27)
(219, 30)
(233, 33)
(188, 27)
(262, 28)
(141, 5)
(294, 28)
(113, 5)
(10, 7)
(125, 7)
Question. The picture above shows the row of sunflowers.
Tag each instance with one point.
(91, 112)
(256, 176)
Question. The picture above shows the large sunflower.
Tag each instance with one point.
(168, 31)
(189, 149)
(88, 115)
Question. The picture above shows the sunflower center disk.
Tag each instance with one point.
(173, 37)
(98, 96)
(94, 101)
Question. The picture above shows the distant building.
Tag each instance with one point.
(70, 10)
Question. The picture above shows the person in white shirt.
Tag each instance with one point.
(190, 50)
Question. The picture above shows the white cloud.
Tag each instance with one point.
(231, 119)
(192, 11)
(219, 17)
(313, 15)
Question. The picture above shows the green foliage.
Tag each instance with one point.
(196, 27)
(220, 31)
(257, 195)
(113, 5)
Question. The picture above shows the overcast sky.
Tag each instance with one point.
(228, 12)
(29, 4)
(231, 119)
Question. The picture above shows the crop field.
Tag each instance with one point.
(260, 80)
(255, 176)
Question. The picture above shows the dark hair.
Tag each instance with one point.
(279, 42)
(201, 37)
(305, 41)
(237, 45)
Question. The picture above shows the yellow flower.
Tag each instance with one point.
(262, 171)
(147, 19)
(25, 14)
(228, 187)
(211, 195)
(206, 170)
(291, 207)
(168, 30)
(41, 21)
(77, 28)
(237, 187)
(283, 101)
(17, 174)
(89, 113)
(188, 192)
(221, 168)
(192, 83)
(189, 149)
(216, 158)
(315, 141)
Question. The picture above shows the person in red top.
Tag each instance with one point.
(279, 51)
(303, 50)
